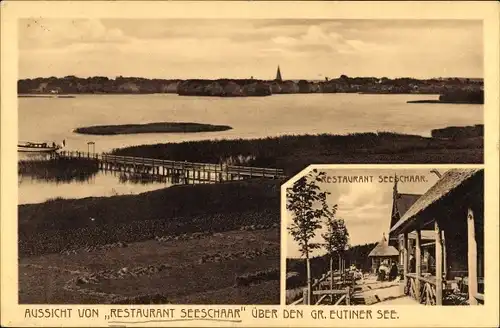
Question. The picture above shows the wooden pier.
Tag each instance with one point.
(202, 172)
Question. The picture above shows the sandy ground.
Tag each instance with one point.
(174, 270)
(373, 292)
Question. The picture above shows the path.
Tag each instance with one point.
(369, 291)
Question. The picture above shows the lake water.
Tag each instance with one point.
(102, 184)
(54, 119)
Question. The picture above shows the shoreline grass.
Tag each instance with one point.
(158, 127)
(295, 152)
(60, 223)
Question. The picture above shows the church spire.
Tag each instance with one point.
(278, 75)
(395, 189)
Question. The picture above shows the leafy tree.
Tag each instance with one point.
(307, 204)
(336, 239)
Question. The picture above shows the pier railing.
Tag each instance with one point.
(192, 170)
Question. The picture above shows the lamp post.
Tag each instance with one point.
(90, 143)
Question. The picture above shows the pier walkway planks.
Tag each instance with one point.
(189, 170)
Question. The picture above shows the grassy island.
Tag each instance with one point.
(475, 97)
(160, 127)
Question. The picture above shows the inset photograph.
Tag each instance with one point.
(384, 237)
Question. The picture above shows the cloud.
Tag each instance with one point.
(307, 47)
(60, 33)
(365, 207)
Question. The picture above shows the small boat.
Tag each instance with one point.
(35, 147)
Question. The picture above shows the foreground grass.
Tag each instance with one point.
(47, 278)
(63, 223)
(160, 127)
(293, 153)
(196, 271)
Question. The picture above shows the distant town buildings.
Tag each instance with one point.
(451, 89)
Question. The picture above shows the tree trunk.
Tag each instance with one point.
(309, 285)
(331, 278)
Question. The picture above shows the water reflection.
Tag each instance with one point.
(144, 178)
(102, 184)
(58, 170)
(42, 177)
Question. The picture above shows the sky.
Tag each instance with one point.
(365, 207)
(214, 48)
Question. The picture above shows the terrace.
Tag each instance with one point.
(453, 207)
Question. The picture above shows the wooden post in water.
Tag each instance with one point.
(439, 264)
(471, 257)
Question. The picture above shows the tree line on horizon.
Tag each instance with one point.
(357, 255)
(240, 87)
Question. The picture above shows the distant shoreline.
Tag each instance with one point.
(44, 96)
(250, 87)
(159, 127)
(443, 102)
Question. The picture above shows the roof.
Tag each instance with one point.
(402, 204)
(424, 235)
(383, 249)
(449, 181)
(405, 201)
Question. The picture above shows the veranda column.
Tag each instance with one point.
(472, 257)
(445, 263)
(405, 257)
(439, 264)
(408, 247)
(418, 259)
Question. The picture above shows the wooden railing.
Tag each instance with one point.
(321, 292)
(426, 294)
